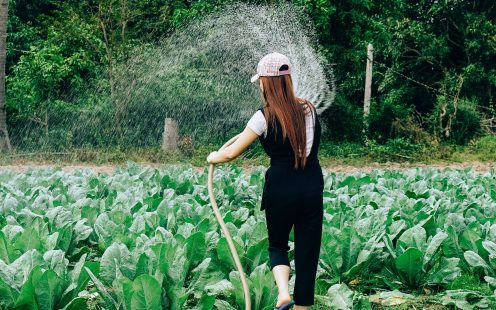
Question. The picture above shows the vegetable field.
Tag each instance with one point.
(144, 238)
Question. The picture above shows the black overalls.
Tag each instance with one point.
(294, 197)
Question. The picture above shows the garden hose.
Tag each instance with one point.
(218, 216)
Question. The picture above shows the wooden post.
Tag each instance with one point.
(368, 86)
(170, 135)
(4, 135)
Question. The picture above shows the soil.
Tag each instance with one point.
(481, 167)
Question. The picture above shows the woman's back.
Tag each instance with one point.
(280, 150)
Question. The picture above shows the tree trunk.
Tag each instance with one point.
(4, 135)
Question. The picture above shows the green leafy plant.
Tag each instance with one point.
(417, 261)
(146, 237)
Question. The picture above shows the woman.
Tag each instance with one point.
(294, 183)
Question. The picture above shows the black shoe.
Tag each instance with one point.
(285, 306)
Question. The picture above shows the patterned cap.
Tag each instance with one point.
(269, 66)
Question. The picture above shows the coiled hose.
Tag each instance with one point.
(218, 216)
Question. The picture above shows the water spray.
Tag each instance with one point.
(218, 216)
(199, 75)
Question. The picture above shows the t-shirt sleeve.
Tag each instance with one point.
(257, 123)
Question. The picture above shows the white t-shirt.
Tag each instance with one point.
(258, 124)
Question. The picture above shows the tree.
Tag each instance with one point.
(4, 135)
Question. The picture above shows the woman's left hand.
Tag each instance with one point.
(211, 156)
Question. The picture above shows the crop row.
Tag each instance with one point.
(143, 238)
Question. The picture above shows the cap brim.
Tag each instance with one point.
(254, 78)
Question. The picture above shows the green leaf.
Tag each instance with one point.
(89, 213)
(65, 238)
(445, 271)
(101, 288)
(493, 194)
(490, 247)
(153, 202)
(466, 300)
(341, 297)
(72, 290)
(223, 287)
(56, 261)
(27, 297)
(263, 287)
(223, 305)
(8, 295)
(468, 240)
(143, 265)
(414, 237)
(123, 288)
(84, 277)
(414, 195)
(410, 264)
(451, 246)
(147, 293)
(116, 258)
(48, 290)
(5, 249)
(474, 260)
(490, 280)
(196, 248)
(224, 253)
(258, 254)
(354, 183)
(207, 302)
(258, 233)
(434, 245)
(167, 182)
(29, 239)
(78, 303)
(235, 279)
(22, 267)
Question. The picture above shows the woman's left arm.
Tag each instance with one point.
(234, 150)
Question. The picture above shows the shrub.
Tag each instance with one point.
(342, 149)
(342, 121)
(385, 112)
(395, 149)
(411, 128)
(455, 124)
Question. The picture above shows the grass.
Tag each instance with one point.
(472, 283)
(330, 154)
(427, 298)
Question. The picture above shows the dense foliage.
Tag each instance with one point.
(434, 76)
(143, 238)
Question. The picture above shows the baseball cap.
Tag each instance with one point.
(270, 64)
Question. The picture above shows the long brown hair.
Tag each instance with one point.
(281, 103)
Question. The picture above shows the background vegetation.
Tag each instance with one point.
(433, 81)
